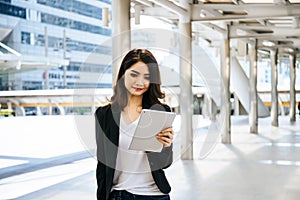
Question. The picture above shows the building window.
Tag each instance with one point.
(75, 7)
(89, 67)
(64, 22)
(71, 45)
(25, 37)
(6, 1)
(12, 10)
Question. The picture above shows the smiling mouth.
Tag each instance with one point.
(138, 89)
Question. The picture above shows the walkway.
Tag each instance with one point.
(44, 158)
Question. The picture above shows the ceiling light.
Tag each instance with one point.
(289, 50)
(202, 13)
(268, 43)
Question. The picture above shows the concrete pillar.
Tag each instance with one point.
(137, 14)
(253, 114)
(93, 106)
(64, 45)
(65, 76)
(38, 111)
(274, 91)
(292, 88)
(65, 57)
(186, 94)
(46, 55)
(49, 107)
(236, 104)
(20, 111)
(105, 17)
(9, 105)
(46, 76)
(121, 41)
(225, 84)
(46, 40)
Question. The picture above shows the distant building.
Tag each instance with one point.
(47, 30)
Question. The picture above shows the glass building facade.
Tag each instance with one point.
(66, 29)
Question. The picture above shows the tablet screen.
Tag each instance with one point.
(150, 123)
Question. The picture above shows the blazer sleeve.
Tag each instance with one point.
(101, 169)
(163, 159)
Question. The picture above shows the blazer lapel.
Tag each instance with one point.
(112, 150)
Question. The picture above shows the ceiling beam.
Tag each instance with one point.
(215, 28)
(144, 2)
(171, 7)
(278, 31)
(209, 12)
(262, 36)
(255, 11)
(159, 12)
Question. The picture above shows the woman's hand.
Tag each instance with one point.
(166, 137)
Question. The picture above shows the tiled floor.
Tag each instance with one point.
(265, 166)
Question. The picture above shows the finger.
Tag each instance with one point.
(164, 139)
(166, 134)
(170, 136)
(168, 130)
(166, 144)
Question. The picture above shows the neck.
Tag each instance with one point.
(134, 101)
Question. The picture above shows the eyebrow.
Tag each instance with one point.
(138, 72)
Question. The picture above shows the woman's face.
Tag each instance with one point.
(137, 79)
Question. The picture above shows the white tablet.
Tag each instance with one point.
(150, 123)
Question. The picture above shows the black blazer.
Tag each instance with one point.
(107, 139)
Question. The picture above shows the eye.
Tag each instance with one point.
(133, 75)
(147, 77)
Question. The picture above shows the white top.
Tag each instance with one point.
(132, 172)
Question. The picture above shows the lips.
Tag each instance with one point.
(138, 89)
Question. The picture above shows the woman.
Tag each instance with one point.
(123, 173)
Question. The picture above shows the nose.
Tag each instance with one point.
(141, 81)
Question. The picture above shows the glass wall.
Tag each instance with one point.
(89, 67)
(11, 10)
(6, 1)
(55, 42)
(74, 6)
(68, 23)
(264, 74)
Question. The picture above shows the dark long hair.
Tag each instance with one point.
(120, 99)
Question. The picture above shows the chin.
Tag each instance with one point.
(140, 93)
